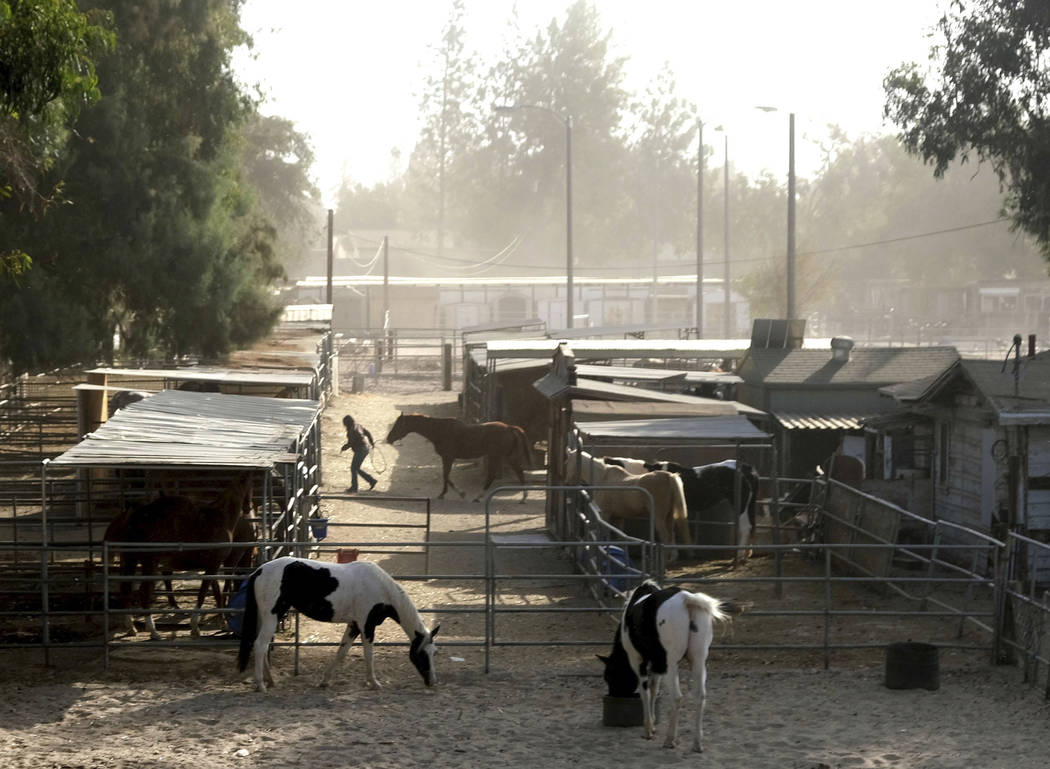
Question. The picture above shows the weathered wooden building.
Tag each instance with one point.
(819, 398)
(975, 442)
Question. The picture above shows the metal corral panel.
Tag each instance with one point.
(720, 428)
(174, 427)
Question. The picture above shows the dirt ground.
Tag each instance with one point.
(187, 706)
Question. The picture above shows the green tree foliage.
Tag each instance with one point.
(47, 74)
(175, 190)
(275, 163)
(985, 95)
(662, 171)
(437, 181)
(569, 70)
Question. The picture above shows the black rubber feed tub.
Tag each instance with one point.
(622, 711)
(912, 665)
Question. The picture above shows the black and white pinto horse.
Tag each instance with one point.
(730, 480)
(707, 485)
(658, 629)
(359, 593)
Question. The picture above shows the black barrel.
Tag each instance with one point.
(912, 665)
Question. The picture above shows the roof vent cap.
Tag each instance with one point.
(840, 347)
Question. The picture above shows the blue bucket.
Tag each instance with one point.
(235, 619)
(612, 567)
(319, 527)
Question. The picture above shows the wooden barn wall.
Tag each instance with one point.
(1038, 498)
(960, 500)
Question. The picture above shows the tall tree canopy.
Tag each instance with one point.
(985, 94)
(47, 74)
(175, 187)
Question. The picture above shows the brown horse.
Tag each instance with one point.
(454, 439)
(176, 519)
(669, 511)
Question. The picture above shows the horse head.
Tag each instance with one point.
(399, 429)
(422, 654)
(619, 674)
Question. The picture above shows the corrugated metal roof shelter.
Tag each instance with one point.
(191, 429)
(645, 432)
(300, 382)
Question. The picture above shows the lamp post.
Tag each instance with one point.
(700, 230)
(727, 319)
(790, 267)
(565, 120)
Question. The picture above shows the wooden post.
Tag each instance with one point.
(446, 366)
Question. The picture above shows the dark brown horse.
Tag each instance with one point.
(454, 439)
(177, 519)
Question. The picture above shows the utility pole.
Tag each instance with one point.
(700, 231)
(725, 224)
(791, 219)
(328, 292)
(386, 280)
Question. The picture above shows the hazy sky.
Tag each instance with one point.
(348, 72)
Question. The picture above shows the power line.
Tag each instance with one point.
(468, 263)
(903, 238)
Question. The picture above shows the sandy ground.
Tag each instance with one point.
(187, 707)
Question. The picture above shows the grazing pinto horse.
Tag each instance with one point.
(669, 507)
(658, 629)
(177, 520)
(358, 593)
(707, 485)
(454, 439)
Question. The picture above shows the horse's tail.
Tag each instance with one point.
(679, 511)
(117, 529)
(718, 609)
(522, 441)
(753, 481)
(250, 623)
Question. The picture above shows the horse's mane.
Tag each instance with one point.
(407, 613)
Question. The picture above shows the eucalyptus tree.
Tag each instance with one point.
(47, 73)
(661, 180)
(437, 184)
(983, 96)
(163, 241)
(565, 71)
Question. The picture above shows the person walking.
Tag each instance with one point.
(360, 441)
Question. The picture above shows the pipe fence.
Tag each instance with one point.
(955, 590)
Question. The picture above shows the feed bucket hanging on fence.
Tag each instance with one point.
(235, 619)
(617, 563)
(319, 527)
(912, 665)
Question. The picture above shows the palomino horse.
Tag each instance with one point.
(359, 593)
(454, 439)
(669, 510)
(176, 520)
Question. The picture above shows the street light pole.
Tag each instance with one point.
(565, 120)
(791, 219)
(725, 229)
(569, 318)
(700, 231)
